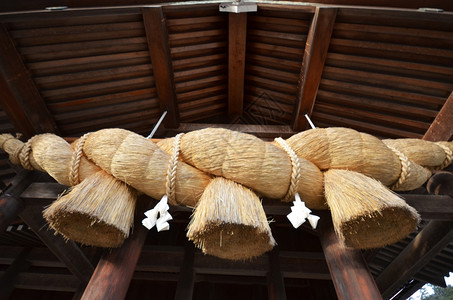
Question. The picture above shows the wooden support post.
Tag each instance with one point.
(113, 274)
(316, 48)
(159, 50)
(442, 127)
(186, 281)
(68, 252)
(276, 285)
(21, 99)
(350, 274)
(430, 241)
(237, 34)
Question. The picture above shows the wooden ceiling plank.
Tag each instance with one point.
(237, 34)
(433, 238)
(21, 99)
(442, 127)
(316, 49)
(114, 272)
(67, 252)
(157, 35)
(350, 274)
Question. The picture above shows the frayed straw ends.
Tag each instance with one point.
(364, 212)
(229, 222)
(97, 212)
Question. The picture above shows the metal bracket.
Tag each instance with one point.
(238, 7)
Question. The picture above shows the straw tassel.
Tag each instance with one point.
(365, 213)
(99, 211)
(229, 222)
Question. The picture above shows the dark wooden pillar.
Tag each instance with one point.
(275, 283)
(237, 33)
(113, 274)
(350, 274)
(186, 280)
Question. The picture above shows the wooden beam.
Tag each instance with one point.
(114, 272)
(432, 239)
(67, 252)
(10, 204)
(431, 207)
(316, 49)
(159, 49)
(442, 127)
(21, 99)
(276, 285)
(350, 274)
(435, 236)
(262, 131)
(186, 281)
(237, 34)
(441, 183)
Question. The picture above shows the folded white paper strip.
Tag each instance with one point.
(299, 213)
(158, 216)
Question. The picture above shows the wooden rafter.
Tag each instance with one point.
(276, 285)
(21, 99)
(315, 55)
(237, 33)
(159, 50)
(442, 127)
(186, 280)
(433, 237)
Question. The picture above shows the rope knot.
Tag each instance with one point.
(295, 167)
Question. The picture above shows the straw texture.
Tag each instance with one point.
(229, 222)
(364, 212)
(98, 212)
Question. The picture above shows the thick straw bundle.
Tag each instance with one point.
(364, 212)
(99, 211)
(229, 222)
(244, 158)
(140, 163)
(343, 148)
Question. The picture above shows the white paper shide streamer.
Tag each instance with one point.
(158, 216)
(299, 213)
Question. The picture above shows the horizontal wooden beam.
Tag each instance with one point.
(428, 243)
(261, 131)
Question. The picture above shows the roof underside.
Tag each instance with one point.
(387, 72)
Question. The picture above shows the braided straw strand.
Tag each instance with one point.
(404, 168)
(170, 185)
(23, 154)
(75, 160)
(295, 166)
(448, 158)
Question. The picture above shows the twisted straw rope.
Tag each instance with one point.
(23, 154)
(448, 158)
(75, 160)
(170, 185)
(404, 168)
(295, 166)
